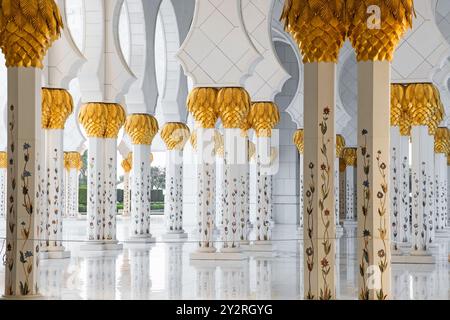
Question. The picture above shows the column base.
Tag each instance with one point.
(414, 257)
(92, 245)
(174, 236)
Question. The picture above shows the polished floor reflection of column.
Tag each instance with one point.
(100, 276)
(140, 272)
(205, 279)
(174, 267)
(52, 277)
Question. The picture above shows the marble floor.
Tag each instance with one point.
(164, 271)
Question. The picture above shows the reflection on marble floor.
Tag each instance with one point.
(164, 271)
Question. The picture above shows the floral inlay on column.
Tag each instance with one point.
(374, 50)
(57, 106)
(3, 182)
(102, 122)
(263, 117)
(233, 106)
(20, 23)
(142, 128)
(127, 164)
(175, 135)
(202, 105)
(319, 28)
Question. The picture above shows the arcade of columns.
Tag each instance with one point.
(367, 185)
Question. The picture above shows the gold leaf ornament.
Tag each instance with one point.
(57, 106)
(142, 128)
(202, 104)
(340, 145)
(318, 27)
(3, 160)
(28, 28)
(299, 140)
(442, 141)
(93, 118)
(350, 156)
(234, 106)
(263, 117)
(377, 40)
(115, 120)
(175, 135)
(73, 160)
(127, 163)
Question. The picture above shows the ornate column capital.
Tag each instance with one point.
(233, 105)
(263, 117)
(27, 30)
(175, 135)
(350, 156)
(102, 120)
(202, 103)
(127, 163)
(318, 26)
(299, 140)
(340, 145)
(424, 105)
(3, 160)
(376, 40)
(72, 160)
(57, 106)
(115, 120)
(142, 128)
(93, 118)
(399, 109)
(442, 141)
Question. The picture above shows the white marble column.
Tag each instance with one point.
(57, 105)
(127, 164)
(110, 191)
(3, 188)
(24, 118)
(244, 193)
(126, 195)
(404, 185)
(140, 194)
(350, 193)
(174, 194)
(102, 122)
(442, 149)
(441, 191)
(396, 188)
(71, 188)
(234, 143)
(175, 135)
(219, 190)
(422, 146)
(298, 140)
(263, 190)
